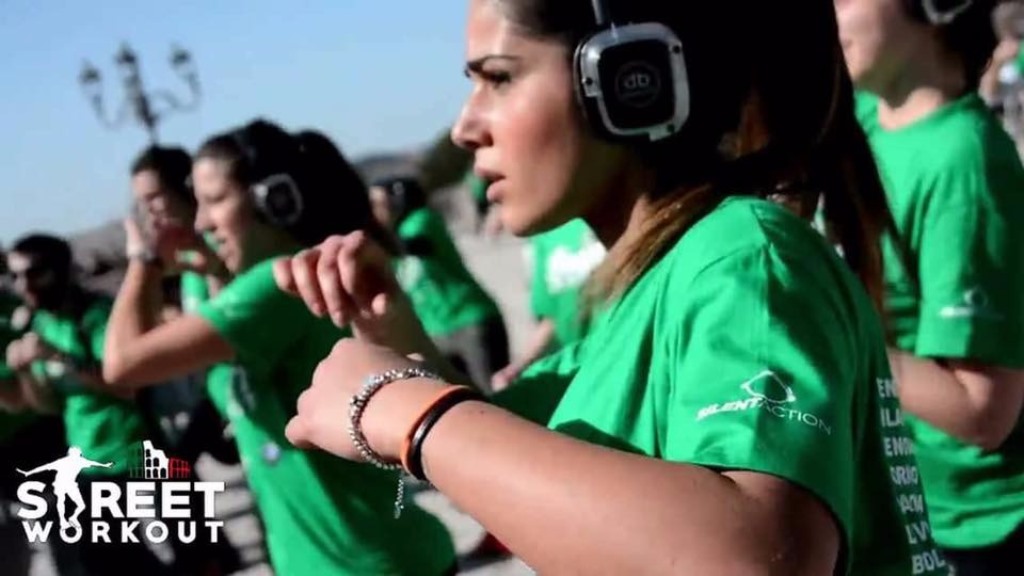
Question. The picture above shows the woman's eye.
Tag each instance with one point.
(496, 78)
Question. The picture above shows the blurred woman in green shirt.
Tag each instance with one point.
(956, 312)
(456, 311)
(262, 193)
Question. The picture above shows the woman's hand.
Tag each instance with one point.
(22, 352)
(350, 279)
(504, 378)
(177, 247)
(323, 410)
(1005, 51)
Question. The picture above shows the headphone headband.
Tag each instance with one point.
(940, 12)
(600, 13)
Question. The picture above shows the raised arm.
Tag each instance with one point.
(138, 351)
(92, 464)
(349, 279)
(38, 469)
(579, 508)
(23, 389)
(568, 506)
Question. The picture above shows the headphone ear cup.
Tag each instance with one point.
(631, 83)
(279, 199)
(588, 107)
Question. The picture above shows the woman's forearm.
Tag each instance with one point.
(136, 311)
(565, 506)
(934, 393)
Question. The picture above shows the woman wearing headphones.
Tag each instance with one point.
(264, 193)
(730, 408)
(955, 182)
(458, 314)
(165, 205)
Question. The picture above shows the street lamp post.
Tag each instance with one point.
(147, 108)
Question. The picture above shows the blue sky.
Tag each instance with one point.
(376, 75)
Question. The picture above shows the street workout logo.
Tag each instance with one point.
(159, 495)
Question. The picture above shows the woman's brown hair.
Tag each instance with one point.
(772, 115)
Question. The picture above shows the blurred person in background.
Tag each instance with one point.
(956, 309)
(25, 436)
(188, 412)
(1002, 84)
(57, 365)
(262, 193)
(13, 419)
(724, 414)
(461, 317)
(165, 206)
(561, 261)
(489, 221)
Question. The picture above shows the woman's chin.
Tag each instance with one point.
(525, 225)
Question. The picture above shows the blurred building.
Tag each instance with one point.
(100, 256)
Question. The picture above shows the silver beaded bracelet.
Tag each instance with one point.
(357, 405)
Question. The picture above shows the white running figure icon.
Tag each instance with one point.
(65, 482)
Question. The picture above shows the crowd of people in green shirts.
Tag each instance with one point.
(785, 338)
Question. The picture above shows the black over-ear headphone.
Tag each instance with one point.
(277, 196)
(938, 12)
(631, 79)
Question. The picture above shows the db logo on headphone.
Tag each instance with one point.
(638, 84)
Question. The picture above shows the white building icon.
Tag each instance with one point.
(155, 462)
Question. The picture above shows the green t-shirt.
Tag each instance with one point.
(562, 260)
(322, 514)
(751, 346)
(104, 427)
(956, 188)
(195, 291)
(444, 293)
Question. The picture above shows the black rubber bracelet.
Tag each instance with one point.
(415, 459)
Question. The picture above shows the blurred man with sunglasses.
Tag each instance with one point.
(57, 365)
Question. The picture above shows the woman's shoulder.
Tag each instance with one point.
(744, 224)
(757, 242)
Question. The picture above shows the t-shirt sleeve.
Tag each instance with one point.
(417, 224)
(194, 291)
(762, 376)
(971, 266)
(540, 297)
(258, 320)
(94, 328)
(539, 389)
